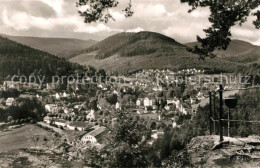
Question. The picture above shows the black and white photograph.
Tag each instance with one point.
(129, 83)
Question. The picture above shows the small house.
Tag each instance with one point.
(60, 122)
(91, 115)
(118, 105)
(47, 119)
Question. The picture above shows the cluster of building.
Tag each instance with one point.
(149, 82)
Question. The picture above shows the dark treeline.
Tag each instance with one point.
(18, 59)
(252, 70)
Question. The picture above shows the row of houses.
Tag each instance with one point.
(91, 134)
(55, 108)
(151, 102)
(74, 125)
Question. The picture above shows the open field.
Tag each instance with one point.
(21, 138)
(17, 149)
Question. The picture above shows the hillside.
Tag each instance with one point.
(126, 52)
(61, 47)
(238, 51)
(18, 59)
(132, 44)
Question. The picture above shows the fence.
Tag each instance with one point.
(213, 121)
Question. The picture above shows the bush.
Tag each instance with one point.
(244, 131)
(9, 118)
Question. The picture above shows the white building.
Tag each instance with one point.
(183, 110)
(174, 101)
(39, 97)
(157, 88)
(57, 96)
(156, 134)
(65, 95)
(10, 102)
(139, 102)
(52, 108)
(91, 115)
(60, 122)
(118, 105)
(147, 102)
(94, 136)
(47, 119)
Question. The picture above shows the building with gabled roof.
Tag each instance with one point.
(95, 136)
(77, 125)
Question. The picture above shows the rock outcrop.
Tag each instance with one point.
(207, 151)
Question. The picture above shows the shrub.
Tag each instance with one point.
(9, 118)
(243, 131)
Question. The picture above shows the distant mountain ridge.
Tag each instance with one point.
(61, 47)
(238, 51)
(126, 52)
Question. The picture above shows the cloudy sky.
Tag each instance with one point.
(59, 18)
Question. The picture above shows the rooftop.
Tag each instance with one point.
(97, 132)
(78, 124)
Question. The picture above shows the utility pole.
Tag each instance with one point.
(214, 112)
(210, 113)
(220, 112)
(229, 122)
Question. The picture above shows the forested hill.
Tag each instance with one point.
(238, 51)
(132, 44)
(126, 52)
(18, 59)
(61, 47)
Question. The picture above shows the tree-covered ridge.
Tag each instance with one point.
(18, 59)
(238, 51)
(132, 44)
(61, 47)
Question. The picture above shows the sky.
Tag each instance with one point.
(60, 18)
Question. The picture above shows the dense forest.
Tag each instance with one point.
(252, 70)
(18, 59)
(132, 44)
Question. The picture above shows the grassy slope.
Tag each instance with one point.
(62, 47)
(21, 138)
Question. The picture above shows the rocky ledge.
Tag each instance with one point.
(207, 151)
